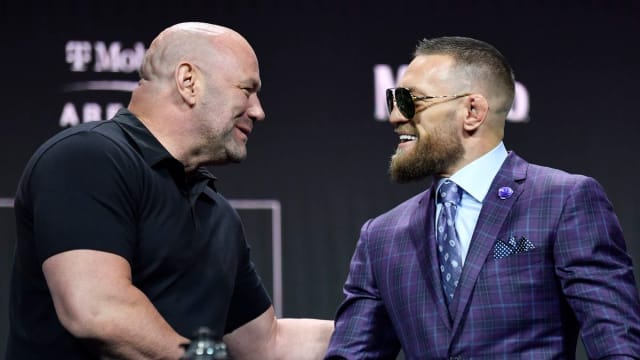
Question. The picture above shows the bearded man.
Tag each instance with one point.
(498, 258)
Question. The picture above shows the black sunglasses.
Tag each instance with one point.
(405, 100)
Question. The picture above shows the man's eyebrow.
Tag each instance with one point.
(252, 83)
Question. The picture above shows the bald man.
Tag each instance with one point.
(124, 246)
(498, 258)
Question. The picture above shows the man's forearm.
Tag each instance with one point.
(267, 337)
(128, 326)
(302, 338)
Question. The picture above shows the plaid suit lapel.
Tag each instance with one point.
(422, 234)
(492, 217)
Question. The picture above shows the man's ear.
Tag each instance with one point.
(186, 82)
(477, 111)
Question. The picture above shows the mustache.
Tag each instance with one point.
(406, 129)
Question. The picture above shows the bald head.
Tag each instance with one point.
(181, 56)
(191, 42)
(198, 93)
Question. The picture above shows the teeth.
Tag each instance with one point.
(404, 138)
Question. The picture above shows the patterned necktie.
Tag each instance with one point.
(449, 252)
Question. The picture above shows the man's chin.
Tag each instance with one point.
(237, 158)
(403, 171)
(237, 154)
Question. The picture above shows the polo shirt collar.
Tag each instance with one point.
(149, 147)
(154, 153)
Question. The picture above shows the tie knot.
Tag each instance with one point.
(449, 193)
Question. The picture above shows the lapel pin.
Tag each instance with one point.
(505, 192)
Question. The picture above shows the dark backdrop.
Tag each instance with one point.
(321, 151)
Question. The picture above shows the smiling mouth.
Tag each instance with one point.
(406, 138)
(244, 130)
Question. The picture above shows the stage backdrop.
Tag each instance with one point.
(321, 156)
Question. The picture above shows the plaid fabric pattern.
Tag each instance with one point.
(572, 273)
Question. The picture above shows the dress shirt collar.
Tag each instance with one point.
(476, 177)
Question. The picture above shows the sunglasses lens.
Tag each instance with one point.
(390, 100)
(405, 102)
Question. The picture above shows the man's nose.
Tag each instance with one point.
(395, 116)
(255, 111)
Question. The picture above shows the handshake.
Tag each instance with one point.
(205, 346)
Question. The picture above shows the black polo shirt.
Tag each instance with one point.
(111, 186)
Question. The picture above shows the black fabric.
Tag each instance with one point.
(111, 186)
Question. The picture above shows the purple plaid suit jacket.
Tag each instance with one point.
(543, 264)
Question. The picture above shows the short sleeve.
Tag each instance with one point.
(81, 197)
(249, 299)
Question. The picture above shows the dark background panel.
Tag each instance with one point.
(258, 230)
(320, 152)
